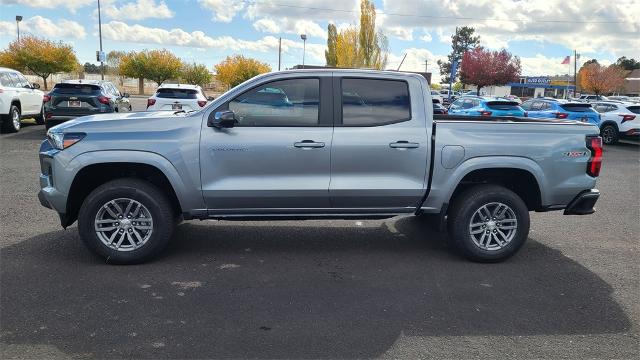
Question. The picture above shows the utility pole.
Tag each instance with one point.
(426, 66)
(304, 47)
(279, 52)
(100, 34)
(18, 19)
(575, 71)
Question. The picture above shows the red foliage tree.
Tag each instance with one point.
(482, 67)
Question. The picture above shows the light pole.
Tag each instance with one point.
(18, 19)
(100, 35)
(304, 47)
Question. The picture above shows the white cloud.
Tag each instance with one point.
(289, 26)
(71, 5)
(586, 25)
(223, 10)
(426, 37)
(138, 10)
(60, 29)
(119, 31)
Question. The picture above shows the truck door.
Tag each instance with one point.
(380, 144)
(277, 157)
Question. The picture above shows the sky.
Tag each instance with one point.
(540, 32)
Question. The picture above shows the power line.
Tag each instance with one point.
(450, 17)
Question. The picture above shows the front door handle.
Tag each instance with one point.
(403, 144)
(308, 144)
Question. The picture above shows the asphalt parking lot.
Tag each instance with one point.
(320, 289)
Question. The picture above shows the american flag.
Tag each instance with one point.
(566, 60)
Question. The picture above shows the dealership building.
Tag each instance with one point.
(534, 86)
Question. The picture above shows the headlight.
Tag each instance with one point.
(62, 141)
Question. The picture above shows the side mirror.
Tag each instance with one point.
(35, 86)
(210, 98)
(125, 95)
(222, 119)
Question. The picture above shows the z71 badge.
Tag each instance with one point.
(574, 154)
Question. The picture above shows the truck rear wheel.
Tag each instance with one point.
(488, 223)
(126, 221)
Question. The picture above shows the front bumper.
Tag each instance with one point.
(583, 203)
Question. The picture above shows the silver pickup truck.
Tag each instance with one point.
(322, 144)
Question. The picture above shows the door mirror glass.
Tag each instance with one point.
(35, 86)
(210, 98)
(222, 119)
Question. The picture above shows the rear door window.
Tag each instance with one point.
(6, 80)
(168, 93)
(374, 102)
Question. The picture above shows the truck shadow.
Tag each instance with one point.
(274, 290)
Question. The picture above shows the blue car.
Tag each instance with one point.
(478, 106)
(555, 109)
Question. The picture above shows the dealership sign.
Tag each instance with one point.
(542, 80)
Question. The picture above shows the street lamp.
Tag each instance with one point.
(304, 47)
(18, 19)
(101, 56)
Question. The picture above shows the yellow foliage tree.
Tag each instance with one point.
(347, 48)
(237, 69)
(39, 56)
(197, 74)
(599, 79)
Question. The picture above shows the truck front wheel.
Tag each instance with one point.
(126, 221)
(488, 223)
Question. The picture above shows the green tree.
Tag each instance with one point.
(39, 56)
(330, 54)
(628, 64)
(462, 41)
(237, 69)
(156, 65)
(90, 68)
(196, 74)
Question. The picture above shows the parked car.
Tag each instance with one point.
(479, 106)
(177, 97)
(592, 98)
(74, 98)
(512, 98)
(439, 109)
(128, 183)
(618, 121)
(435, 95)
(555, 109)
(619, 98)
(19, 99)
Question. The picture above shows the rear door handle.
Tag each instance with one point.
(403, 144)
(308, 144)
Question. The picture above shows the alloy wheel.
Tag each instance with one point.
(493, 226)
(123, 224)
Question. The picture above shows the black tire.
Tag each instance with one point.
(7, 121)
(461, 213)
(141, 191)
(609, 134)
(40, 117)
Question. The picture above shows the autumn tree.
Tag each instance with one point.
(156, 65)
(628, 64)
(113, 64)
(196, 74)
(462, 41)
(482, 68)
(599, 79)
(237, 69)
(330, 54)
(359, 45)
(40, 57)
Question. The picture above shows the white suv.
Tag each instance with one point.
(618, 120)
(18, 99)
(177, 97)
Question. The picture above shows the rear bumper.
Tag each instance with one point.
(583, 203)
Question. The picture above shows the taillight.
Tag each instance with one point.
(150, 102)
(202, 103)
(627, 117)
(103, 100)
(560, 115)
(485, 113)
(46, 98)
(594, 144)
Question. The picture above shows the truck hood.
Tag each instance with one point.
(111, 117)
